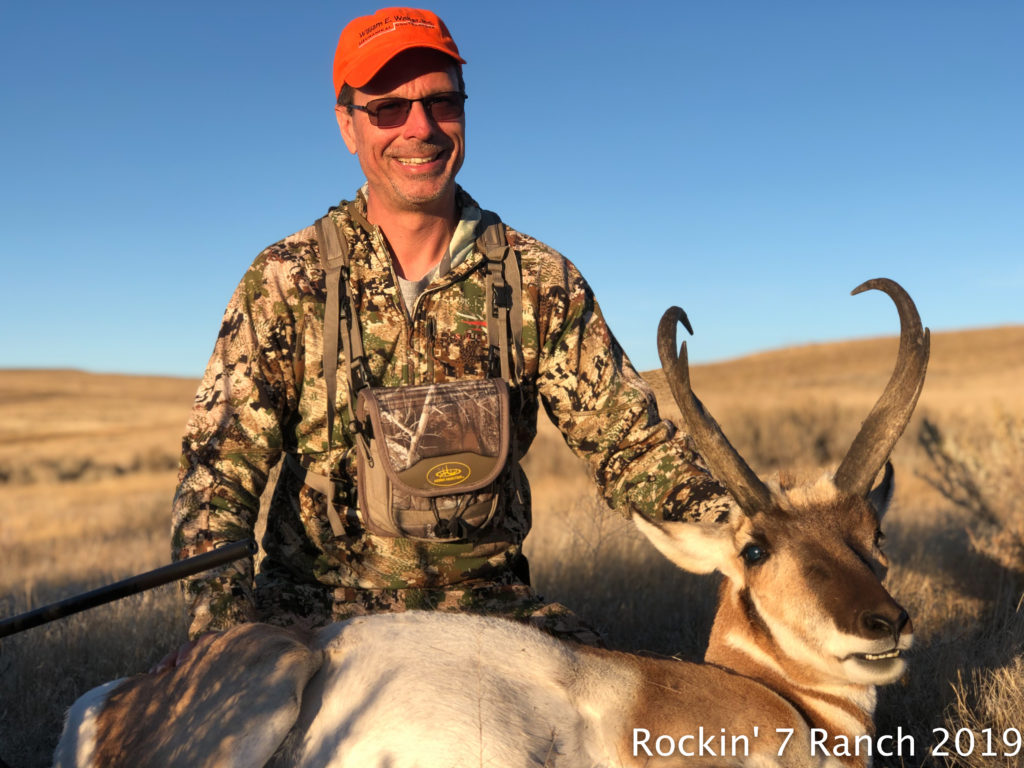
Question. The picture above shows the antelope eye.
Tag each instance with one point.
(879, 539)
(754, 554)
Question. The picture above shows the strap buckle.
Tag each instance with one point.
(501, 298)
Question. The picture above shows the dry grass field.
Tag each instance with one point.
(87, 474)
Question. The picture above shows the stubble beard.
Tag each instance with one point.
(428, 191)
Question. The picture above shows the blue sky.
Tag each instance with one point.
(751, 161)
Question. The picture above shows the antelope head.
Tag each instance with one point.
(802, 598)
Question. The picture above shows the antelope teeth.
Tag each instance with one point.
(893, 654)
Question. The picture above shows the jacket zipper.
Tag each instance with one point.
(410, 318)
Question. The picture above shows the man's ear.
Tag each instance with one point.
(345, 125)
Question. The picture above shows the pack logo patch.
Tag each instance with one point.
(448, 474)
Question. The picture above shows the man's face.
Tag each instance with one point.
(411, 167)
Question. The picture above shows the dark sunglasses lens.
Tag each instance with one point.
(388, 113)
(391, 113)
(448, 107)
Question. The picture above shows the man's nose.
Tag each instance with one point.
(419, 124)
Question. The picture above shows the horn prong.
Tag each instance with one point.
(724, 461)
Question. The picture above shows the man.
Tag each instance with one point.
(417, 281)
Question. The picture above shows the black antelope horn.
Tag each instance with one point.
(887, 420)
(726, 465)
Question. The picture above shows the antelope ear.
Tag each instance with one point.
(695, 547)
(881, 495)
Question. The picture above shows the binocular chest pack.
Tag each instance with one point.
(430, 457)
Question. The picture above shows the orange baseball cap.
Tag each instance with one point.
(369, 42)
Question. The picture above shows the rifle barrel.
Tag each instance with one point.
(130, 586)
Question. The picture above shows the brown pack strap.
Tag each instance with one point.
(504, 299)
(338, 307)
(504, 293)
(341, 306)
(320, 483)
(313, 479)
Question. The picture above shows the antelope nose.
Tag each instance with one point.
(880, 625)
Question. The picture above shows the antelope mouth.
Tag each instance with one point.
(895, 653)
(878, 668)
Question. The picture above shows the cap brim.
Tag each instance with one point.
(360, 75)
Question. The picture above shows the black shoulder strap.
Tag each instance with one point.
(504, 297)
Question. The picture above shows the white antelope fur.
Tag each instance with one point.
(439, 690)
(78, 742)
(422, 689)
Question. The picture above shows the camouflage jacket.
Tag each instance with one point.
(264, 393)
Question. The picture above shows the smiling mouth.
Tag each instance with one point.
(414, 161)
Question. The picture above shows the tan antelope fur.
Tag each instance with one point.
(803, 634)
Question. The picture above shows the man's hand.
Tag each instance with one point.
(178, 657)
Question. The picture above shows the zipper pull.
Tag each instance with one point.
(431, 330)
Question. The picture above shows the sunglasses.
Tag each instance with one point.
(393, 112)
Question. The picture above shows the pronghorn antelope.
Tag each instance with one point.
(803, 634)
